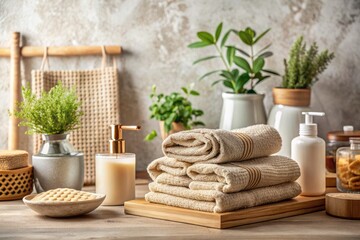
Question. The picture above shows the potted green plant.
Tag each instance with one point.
(301, 72)
(54, 114)
(242, 71)
(174, 112)
(293, 97)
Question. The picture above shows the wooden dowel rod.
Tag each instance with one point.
(15, 86)
(64, 51)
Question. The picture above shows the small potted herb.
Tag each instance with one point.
(54, 114)
(242, 71)
(301, 72)
(174, 111)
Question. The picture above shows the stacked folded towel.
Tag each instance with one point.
(219, 171)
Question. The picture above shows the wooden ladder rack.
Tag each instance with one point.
(16, 52)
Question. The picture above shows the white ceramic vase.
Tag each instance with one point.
(242, 110)
(286, 119)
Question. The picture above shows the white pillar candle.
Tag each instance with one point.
(115, 177)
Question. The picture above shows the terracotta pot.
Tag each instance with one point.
(176, 127)
(292, 97)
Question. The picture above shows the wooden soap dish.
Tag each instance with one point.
(16, 183)
(344, 205)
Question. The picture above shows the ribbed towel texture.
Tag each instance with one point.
(238, 176)
(219, 171)
(215, 201)
(221, 146)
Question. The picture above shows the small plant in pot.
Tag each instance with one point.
(301, 72)
(242, 72)
(54, 114)
(174, 112)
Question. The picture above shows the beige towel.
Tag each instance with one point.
(221, 146)
(237, 176)
(169, 171)
(215, 201)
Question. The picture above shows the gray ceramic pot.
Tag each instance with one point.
(58, 164)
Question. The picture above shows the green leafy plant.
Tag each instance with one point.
(235, 59)
(304, 66)
(55, 112)
(174, 107)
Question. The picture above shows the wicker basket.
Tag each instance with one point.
(15, 184)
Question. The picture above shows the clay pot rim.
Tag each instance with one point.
(294, 89)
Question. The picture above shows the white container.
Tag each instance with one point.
(309, 152)
(242, 110)
(115, 177)
(286, 119)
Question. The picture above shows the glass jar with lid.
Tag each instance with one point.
(348, 167)
(337, 140)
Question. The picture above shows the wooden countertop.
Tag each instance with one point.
(19, 222)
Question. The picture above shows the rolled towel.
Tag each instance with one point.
(221, 146)
(215, 201)
(237, 176)
(169, 171)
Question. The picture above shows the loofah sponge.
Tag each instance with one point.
(13, 159)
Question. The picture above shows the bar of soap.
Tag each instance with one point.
(13, 159)
(64, 195)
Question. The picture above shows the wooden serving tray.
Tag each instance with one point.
(293, 207)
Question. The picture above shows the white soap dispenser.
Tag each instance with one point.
(308, 150)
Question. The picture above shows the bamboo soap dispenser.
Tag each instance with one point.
(115, 171)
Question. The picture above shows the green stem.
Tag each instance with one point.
(222, 57)
(252, 67)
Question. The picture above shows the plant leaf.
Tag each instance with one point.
(204, 59)
(271, 72)
(208, 74)
(151, 136)
(218, 32)
(185, 90)
(242, 51)
(198, 123)
(261, 35)
(258, 64)
(206, 37)
(251, 91)
(251, 32)
(217, 81)
(261, 79)
(194, 93)
(266, 54)
(228, 84)
(225, 37)
(230, 54)
(199, 44)
(226, 74)
(263, 49)
(241, 62)
(245, 37)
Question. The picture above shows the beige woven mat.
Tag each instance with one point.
(98, 90)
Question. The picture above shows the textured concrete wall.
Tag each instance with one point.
(155, 35)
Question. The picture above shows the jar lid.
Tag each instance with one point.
(342, 136)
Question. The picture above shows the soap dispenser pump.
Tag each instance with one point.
(115, 171)
(308, 150)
